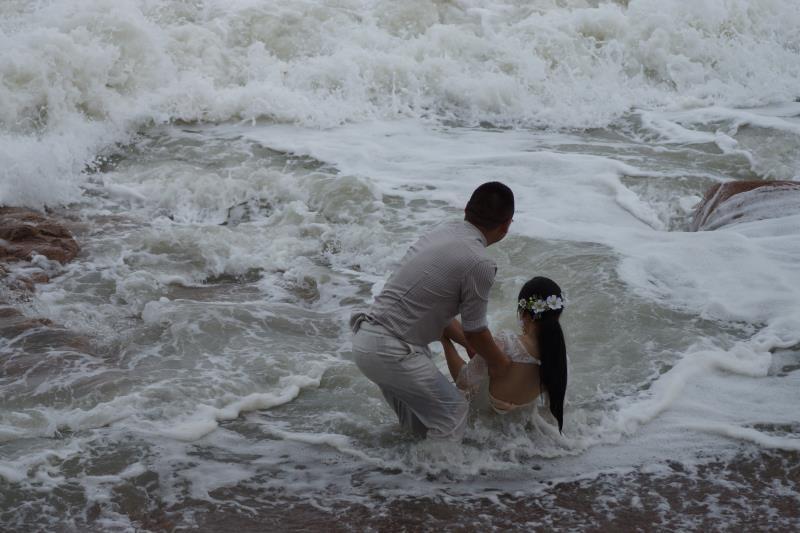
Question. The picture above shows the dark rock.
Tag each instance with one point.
(247, 211)
(745, 201)
(29, 282)
(24, 232)
(14, 323)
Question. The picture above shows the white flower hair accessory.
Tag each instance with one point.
(538, 305)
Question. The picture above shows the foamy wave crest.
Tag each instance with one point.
(78, 76)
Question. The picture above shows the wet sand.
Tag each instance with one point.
(757, 491)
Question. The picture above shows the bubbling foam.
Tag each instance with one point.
(81, 76)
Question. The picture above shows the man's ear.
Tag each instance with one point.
(500, 231)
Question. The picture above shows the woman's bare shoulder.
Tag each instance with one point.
(526, 349)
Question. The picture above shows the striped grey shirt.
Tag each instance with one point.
(445, 273)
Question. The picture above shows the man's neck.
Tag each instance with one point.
(486, 234)
(491, 236)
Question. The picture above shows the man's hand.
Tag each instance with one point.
(483, 343)
(455, 333)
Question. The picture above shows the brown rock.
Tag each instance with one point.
(740, 201)
(28, 283)
(14, 323)
(38, 277)
(7, 312)
(24, 232)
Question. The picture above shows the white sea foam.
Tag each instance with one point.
(204, 420)
(80, 76)
(750, 434)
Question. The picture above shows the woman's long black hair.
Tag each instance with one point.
(550, 339)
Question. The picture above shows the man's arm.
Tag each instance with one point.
(483, 343)
(475, 299)
(455, 333)
(454, 361)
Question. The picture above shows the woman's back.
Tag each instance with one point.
(521, 384)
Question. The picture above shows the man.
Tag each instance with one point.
(445, 273)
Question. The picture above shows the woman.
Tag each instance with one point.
(538, 355)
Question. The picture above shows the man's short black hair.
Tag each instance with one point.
(490, 206)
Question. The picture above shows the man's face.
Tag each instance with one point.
(507, 225)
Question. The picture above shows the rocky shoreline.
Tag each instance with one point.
(32, 247)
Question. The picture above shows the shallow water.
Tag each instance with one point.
(232, 214)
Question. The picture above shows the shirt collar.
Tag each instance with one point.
(478, 233)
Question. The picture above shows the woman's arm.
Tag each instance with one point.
(497, 361)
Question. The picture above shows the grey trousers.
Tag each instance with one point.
(426, 402)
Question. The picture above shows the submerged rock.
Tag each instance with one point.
(24, 232)
(745, 201)
(13, 322)
(247, 211)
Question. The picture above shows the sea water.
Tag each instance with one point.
(242, 175)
